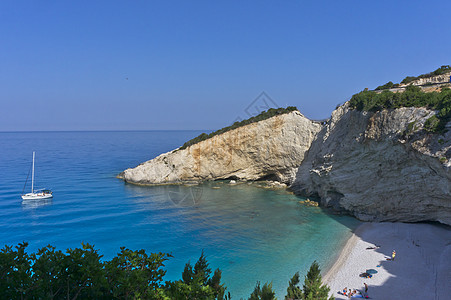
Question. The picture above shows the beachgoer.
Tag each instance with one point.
(345, 291)
(373, 247)
(366, 289)
(393, 254)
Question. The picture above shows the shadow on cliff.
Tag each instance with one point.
(336, 139)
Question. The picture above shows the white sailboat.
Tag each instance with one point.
(38, 194)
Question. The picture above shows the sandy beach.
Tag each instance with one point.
(421, 269)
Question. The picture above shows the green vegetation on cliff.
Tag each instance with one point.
(413, 96)
(409, 79)
(387, 86)
(260, 117)
(439, 71)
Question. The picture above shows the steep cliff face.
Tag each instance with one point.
(272, 149)
(380, 166)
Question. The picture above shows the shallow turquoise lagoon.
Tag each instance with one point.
(251, 233)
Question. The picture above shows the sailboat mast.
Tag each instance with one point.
(32, 175)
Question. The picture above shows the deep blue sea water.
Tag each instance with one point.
(250, 233)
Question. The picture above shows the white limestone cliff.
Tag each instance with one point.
(269, 149)
(380, 166)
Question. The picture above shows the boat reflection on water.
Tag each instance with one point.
(36, 203)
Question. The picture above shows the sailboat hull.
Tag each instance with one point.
(36, 196)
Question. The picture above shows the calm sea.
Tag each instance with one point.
(251, 233)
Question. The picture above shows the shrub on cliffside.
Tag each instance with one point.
(442, 70)
(412, 97)
(388, 85)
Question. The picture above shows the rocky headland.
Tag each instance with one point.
(384, 164)
(270, 149)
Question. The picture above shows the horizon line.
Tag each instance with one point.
(101, 130)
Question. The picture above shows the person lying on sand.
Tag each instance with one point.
(373, 247)
(352, 293)
(366, 275)
(343, 292)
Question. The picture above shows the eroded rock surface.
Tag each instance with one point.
(380, 166)
(270, 149)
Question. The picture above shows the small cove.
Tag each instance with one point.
(250, 233)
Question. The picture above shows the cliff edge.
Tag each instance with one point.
(269, 149)
(380, 166)
(382, 156)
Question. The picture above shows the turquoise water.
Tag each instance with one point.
(249, 232)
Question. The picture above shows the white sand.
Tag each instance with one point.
(421, 269)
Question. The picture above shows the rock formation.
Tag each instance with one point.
(269, 149)
(377, 166)
(429, 80)
(380, 166)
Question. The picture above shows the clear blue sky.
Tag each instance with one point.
(125, 65)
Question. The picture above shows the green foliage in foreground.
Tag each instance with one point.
(263, 293)
(262, 116)
(312, 288)
(413, 96)
(293, 290)
(196, 283)
(80, 274)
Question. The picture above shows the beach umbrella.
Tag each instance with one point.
(371, 271)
